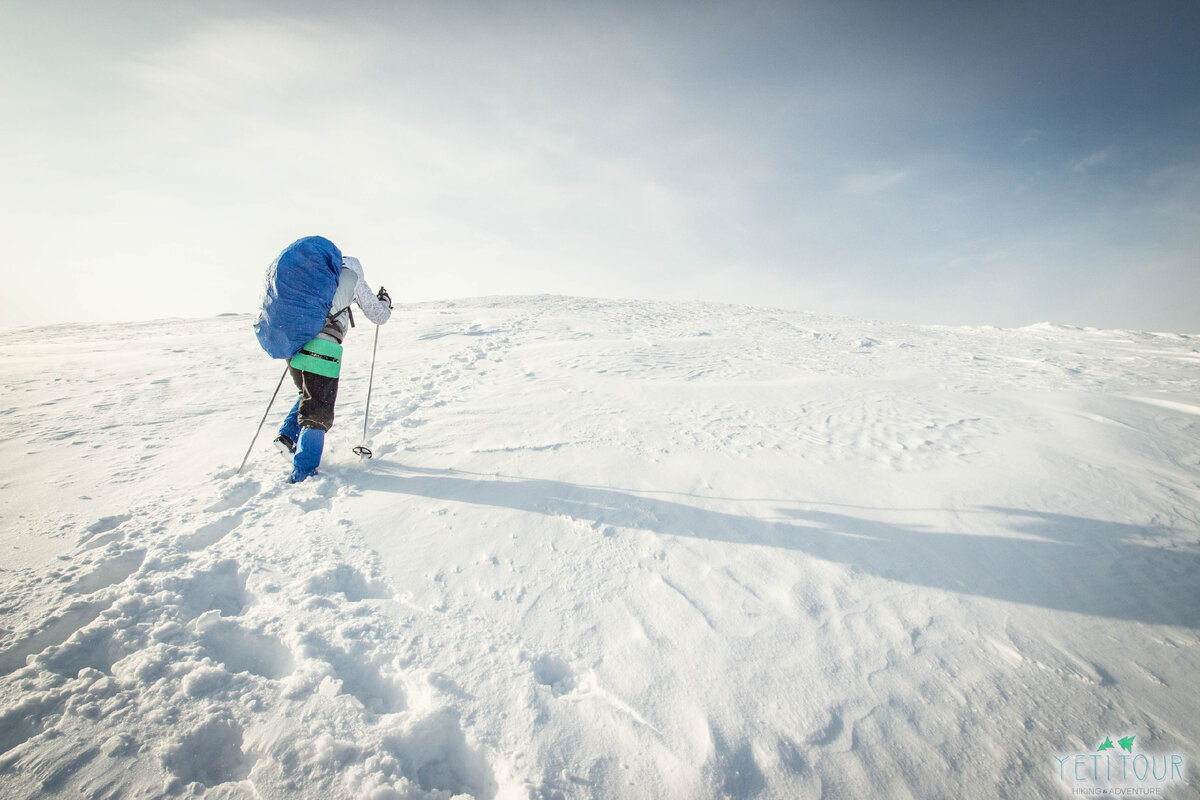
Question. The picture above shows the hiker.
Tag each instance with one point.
(315, 368)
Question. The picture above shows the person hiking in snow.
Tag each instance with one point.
(297, 283)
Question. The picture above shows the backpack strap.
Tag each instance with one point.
(335, 325)
(335, 314)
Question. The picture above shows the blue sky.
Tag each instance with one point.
(959, 163)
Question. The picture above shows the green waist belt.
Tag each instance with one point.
(320, 357)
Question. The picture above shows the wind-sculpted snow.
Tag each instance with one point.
(604, 550)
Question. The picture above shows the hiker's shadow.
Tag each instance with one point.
(1053, 561)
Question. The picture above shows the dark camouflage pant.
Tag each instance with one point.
(317, 397)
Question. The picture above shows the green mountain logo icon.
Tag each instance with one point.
(1126, 744)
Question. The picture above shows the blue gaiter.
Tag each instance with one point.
(290, 427)
(308, 453)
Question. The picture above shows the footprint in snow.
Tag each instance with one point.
(363, 681)
(241, 650)
(344, 579)
(235, 496)
(103, 531)
(555, 673)
(219, 587)
(436, 755)
(16, 728)
(831, 732)
(54, 631)
(109, 572)
(735, 768)
(207, 535)
(314, 494)
(210, 754)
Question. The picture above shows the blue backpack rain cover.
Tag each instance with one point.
(300, 288)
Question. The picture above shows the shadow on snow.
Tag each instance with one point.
(1075, 564)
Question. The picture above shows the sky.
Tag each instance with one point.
(963, 163)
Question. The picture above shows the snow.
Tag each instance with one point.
(604, 549)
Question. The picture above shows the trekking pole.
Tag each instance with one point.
(362, 451)
(264, 419)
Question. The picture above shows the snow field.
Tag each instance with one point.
(604, 549)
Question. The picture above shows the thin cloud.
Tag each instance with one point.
(1031, 136)
(1176, 190)
(233, 59)
(1091, 161)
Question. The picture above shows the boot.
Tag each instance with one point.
(308, 453)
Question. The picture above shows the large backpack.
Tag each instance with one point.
(300, 286)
